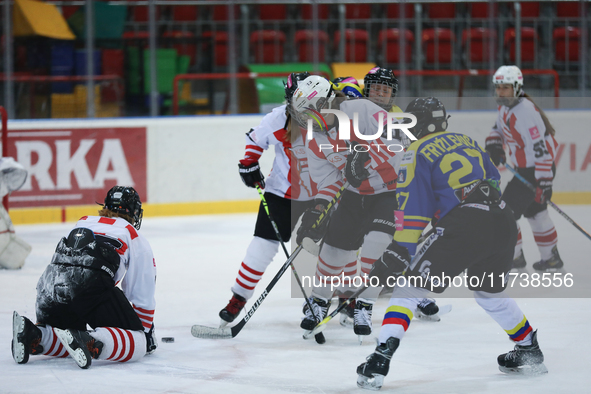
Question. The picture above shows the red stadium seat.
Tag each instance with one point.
(272, 12)
(220, 12)
(477, 42)
(388, 45)
(219, 49)
(185, 13)
(566, 44)
(304, 41)
(355, 45)
(393, 11)
(567, 9)
(529, 9)
(529, 41)
(480, 10)
(438, 46)
(267, 46)
(323, 11)
(183, 42)
(442, 10)
(358, 11)
(140, 13)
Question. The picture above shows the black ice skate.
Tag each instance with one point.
(26, 338)
(519, 261)
(348, 313)
(320, 307)
(524, 360)
(362, 318)
(81, 346)
(554, 263)
(370, 374)
(232, 310)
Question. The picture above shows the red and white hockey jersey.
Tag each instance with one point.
(289, 177)
(327, 154)
(522, 129)
(137, 271)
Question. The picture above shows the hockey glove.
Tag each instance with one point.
(355, 171)
(393, 263)
(309, 219)
(544, 190)
(494, 148)
(251, 174)
(151, 342)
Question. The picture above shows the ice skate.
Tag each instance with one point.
(370, 374)
(320, 307)
(348, 313)
(26, 338)
(81, 346)
(554, 263)
(232, 310)
(524, 360)
(362, 318)
(519, 262)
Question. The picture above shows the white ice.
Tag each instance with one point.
(198, 258)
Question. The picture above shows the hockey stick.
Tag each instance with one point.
(320, 336)
(230, 332)
(533, 188)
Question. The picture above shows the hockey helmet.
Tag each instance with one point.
(126, 201)
(378, 78)
(311, 96)
(349, 86)
(510, 75)
(292, 84)
(431, 116)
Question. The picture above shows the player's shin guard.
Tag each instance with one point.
(119, 344)
(259, 255)
(370, 374)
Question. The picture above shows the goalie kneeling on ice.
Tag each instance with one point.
(13, 250)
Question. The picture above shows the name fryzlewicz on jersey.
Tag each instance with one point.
(77, 166)
(344, 129)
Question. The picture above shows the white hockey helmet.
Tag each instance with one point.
(510, 75)
(313, 94)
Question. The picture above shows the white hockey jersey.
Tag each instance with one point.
(289, 177)
(327, 154)
(522, 129)
(137, 271)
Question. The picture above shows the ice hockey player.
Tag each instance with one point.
(365, 214)
(13, 249)
(526, 130)
(288, 192)
(79, 287)
(381, 87)
(446, 177)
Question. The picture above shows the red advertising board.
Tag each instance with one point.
(70, 166)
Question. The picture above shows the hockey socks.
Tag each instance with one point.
(259, 255)
(119, 344)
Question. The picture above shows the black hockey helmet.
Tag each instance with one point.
(431, 116)
(126, 201)
(292, 84)
(383, 76)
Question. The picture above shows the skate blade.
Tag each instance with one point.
(345, 321)
(80, 357)
(526, 370)
(18, 348)
(373, 384)
(443, 309)
(223, 323)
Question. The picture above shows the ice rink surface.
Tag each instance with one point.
(197, 259)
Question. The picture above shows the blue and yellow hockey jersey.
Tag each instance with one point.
(431, 169)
